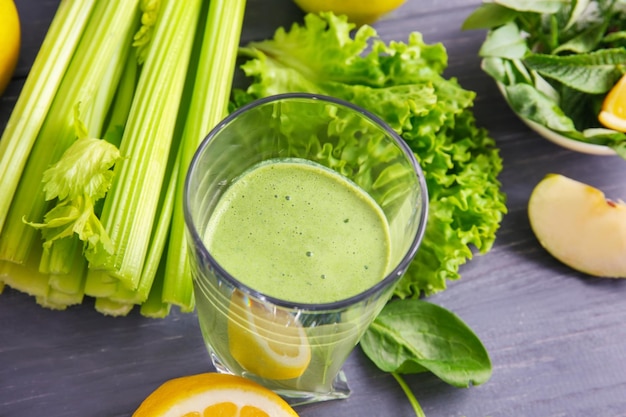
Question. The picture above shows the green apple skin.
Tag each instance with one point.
(579, 226)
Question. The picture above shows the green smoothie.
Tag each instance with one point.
(298, 231)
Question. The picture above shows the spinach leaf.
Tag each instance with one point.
(583, 42)
(581, 108)
(593, 72)
(488, 15)
(536, 6)
(533, 105)
(504, 42)
(411, 336)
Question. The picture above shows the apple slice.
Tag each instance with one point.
(577, 225)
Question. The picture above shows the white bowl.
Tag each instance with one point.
(574, 145)
(565, 142)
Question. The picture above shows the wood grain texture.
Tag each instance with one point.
(557, 338)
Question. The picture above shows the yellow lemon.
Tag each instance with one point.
(9, 41)
(613, 113)
(360, 12)
(213, 394)
(269, 343)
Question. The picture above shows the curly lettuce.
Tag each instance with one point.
(402, 83)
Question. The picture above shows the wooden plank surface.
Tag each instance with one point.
(557, 338)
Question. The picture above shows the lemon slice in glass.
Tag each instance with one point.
(268, 342)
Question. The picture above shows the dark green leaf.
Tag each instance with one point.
(504, 42)
(584, 42)
(613, 37)
(607, 137)
(582, 108)
(531, 104)
(576, 12)
(506, 71)
(488, 15)
(496, 68)
(536, 6)
(594, 72)
(411, 336)
(620, 148)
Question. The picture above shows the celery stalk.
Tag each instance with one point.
(60, 300)
(112, 308)
(72, 281)
(56, 261)
(209, 105)
(154, 306)
(26, 277)
(110, 23)
(156, 106)
(37, 95)
(130, 206)
(99, 284)
(158, 242)
(154, 262)
(122, 101)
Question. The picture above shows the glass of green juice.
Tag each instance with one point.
(302, 212)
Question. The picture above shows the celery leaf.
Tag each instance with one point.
(143, 37)
(78, 180)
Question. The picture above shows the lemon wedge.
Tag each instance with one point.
(613, 113)
(213, 394)
(269, 343)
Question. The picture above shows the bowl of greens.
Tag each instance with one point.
(560, 139)
(554, 63)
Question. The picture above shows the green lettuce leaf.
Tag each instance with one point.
(402, 83)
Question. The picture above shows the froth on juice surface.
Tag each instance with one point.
(298, 231)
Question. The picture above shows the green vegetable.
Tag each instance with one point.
(84, 86)
(403, 84)
(91, 89)
(209, 105)
(138, 84)
(555, 61)
(412, 336)
(417, 408)
(77, 192)
(130, 207)
(37, 94)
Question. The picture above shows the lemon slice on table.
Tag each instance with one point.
(10, 35)
(269, 343)
(213, 394)
(613, 113)
(360, 12)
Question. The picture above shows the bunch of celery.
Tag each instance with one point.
(94, 155)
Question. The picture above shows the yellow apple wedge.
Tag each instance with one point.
(579, 226)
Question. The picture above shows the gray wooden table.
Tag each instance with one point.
(557, 338)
